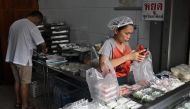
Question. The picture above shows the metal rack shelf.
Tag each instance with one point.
(55, 34)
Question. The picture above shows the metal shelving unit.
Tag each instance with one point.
(55, 34)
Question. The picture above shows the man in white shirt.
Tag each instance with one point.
(24, 36)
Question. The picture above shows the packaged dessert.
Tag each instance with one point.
(147, 94)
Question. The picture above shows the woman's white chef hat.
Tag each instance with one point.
(119, 22)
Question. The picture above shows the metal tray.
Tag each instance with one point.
(54, 59)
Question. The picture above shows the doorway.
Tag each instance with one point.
(11, 10)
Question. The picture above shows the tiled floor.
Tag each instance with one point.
(7, 98)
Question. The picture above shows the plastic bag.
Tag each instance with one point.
(143, 70)
(103, 89)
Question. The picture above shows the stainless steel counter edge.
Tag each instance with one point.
(66, 73)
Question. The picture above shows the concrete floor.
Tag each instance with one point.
(7, 98)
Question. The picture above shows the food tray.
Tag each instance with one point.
(146, 95)
(55, 59)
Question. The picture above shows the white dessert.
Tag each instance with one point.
(107, 95)
(147, 98)
(112, 104)
(136, 106)
(106, 88)
(147, 90)
(108, 99)
(156, 94)
(181, 71)
(187, 105)
(180, 108)
(122, 100)
(130, 104)
(106, 92)
(138, 94)
(159, 87)
(120, 107)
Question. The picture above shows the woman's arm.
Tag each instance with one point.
(131, 56)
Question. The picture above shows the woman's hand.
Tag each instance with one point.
(136, 55)
(104, 69)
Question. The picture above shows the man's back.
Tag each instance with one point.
(23, 38)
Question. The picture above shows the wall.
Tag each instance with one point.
(189, 40)
(175, 41)
(189, 56)
(155, 44)
(88, 18)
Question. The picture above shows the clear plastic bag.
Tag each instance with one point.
(143, 70)
(103, 89)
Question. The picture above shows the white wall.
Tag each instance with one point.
(88, 18)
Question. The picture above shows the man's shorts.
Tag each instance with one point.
(22, 74)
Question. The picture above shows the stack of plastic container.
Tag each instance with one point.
(107, 92)
(35, 89)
